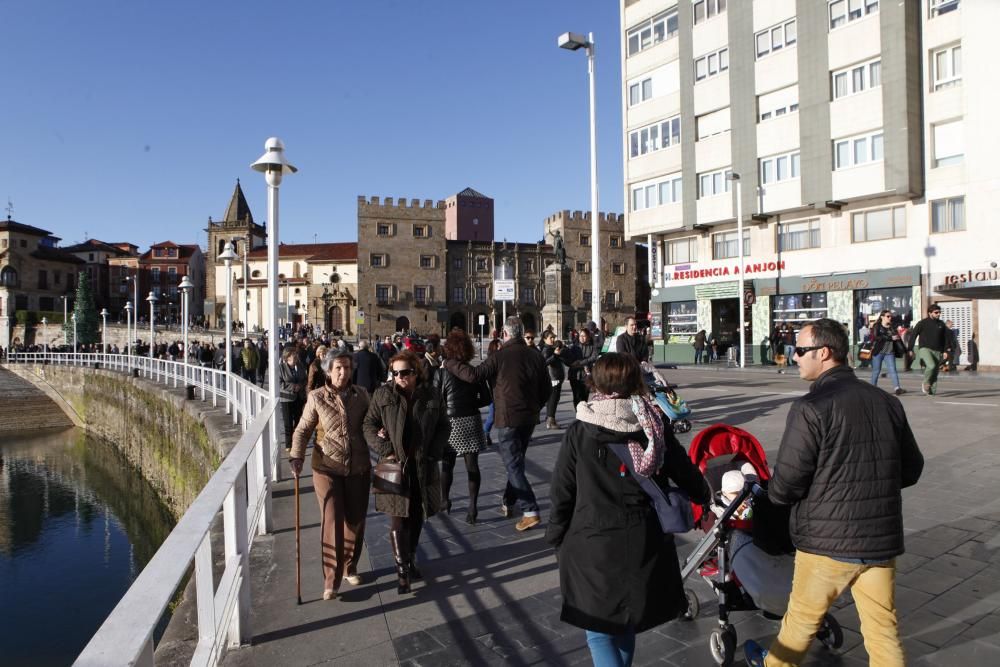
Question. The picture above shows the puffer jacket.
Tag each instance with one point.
(554, 362)
(339, 425)
(586, 355)
(461, 398)
(846, 455)
(882, 339)
(293, 382)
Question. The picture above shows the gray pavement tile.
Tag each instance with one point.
(955, 565)
(963, 607)
(971, 652)
(934, 546)
(909, 561)
(415, 644)
(910, 599)
(976, 524)
(568, 650)
(976, 550)
(986, 629)
(929, 581)
(929, 628)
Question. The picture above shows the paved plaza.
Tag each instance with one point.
(491, 595)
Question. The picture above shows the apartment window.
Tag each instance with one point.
(775, 38)
(779, 168)
(778, 103)
(713, 123)
(527, 295)
(420, 294)
(588, 296)
(43, 279)
(421, 231)
(378, 260)
(652, 32)
(856, 78)
(384, 229)
(171, 252)
(615, 241)
(154, 274)
(948, 215)
(711, 64)
(158, 252)
(383, 293)
(57, 278)
(458, 295)
(947, 67)
(3, 243)
(843, 12)
(939, 7)
(681, 251)
(706, 9)
(655, 137)
(482, 264)
(583, 267)
(949, 143)
(798, 235)
(585, 240)
(724, 245)
(528, 266)
(713, 183)
(611, 298)
(427, 261)
(480, 294)
(852, 151)
(618, 268)
(172, 290)
(640, 91)
(877, 225)
(457, 262)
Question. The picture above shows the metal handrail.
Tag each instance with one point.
(240, 488)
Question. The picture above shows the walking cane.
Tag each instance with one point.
(298, 549)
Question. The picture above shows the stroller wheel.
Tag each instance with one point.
(830, 633)
(723, 645)
(681, 426)
(694, 606)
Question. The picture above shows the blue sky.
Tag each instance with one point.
(132, 120)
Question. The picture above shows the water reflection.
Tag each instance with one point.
(77, 525)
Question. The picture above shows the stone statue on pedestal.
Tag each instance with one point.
(559, 247)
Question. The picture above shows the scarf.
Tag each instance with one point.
(646, 461)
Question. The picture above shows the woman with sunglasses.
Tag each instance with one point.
(885, 339)
(407, 423)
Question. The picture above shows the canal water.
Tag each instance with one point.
(77, 525)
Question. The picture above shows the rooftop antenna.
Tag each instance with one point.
(10, 208)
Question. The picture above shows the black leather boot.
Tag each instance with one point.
(401, 554)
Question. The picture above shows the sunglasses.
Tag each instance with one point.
(529, 338)
(799, 351)
(406, 372)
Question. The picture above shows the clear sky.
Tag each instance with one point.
(132, 120)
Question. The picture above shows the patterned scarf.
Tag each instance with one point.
(647, 461)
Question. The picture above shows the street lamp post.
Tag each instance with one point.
(152, 320)
(104, 333)
(738, 191)
(185, 288)
(274, 166)
(65, 331)
(572, 42)
(227, 257)
(45, 334)
(128, 329)
(74, 333)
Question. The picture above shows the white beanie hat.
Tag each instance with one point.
(749, 472)
(732, 482)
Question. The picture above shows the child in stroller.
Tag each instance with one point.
(664, 394)
(746, 554)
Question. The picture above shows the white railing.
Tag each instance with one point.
(240, 488)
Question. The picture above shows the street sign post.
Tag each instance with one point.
(503, 290)
(482, 336)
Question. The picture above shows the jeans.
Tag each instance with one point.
(932, 366)
(818, 581)
(611, 650)
(698, 353)
(889, 359)
(790, 355)
(512, 442)
(490, 416)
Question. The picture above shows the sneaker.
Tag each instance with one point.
(527, 522)
(505, 510)
(353, 579)
(925, 388)
(329, 594)
(755, 653)
(899, 391)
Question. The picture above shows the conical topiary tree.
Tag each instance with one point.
(87, 327)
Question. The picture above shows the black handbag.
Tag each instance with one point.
(389, 477)
(673, 507)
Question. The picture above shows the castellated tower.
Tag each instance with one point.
(237, 225)
(401, 264)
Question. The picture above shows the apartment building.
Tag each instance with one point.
(843, 127)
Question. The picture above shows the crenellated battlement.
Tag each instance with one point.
(577, 218)
(373, 202)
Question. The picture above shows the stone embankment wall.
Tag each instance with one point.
(25, 407)
(175, 444)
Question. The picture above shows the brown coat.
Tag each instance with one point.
(428, 430)
(340, 441)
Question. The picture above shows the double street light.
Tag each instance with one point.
(104, 331)
(227, 256)
(574, 42)
(152, 320)
(185, 287)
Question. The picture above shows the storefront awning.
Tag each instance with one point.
(979, 289)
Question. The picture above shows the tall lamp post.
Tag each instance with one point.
(104, 332)
(227, 257)
(74, 332)
(65, 331)
(128, 327)
(274, 166)
(185, 287)
(134, 333)
(738, 191)
(45, 334)
(573, 42)
(152, 321)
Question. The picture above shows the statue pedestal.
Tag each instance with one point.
(557, 310)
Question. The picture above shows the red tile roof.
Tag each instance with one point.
(313, 252)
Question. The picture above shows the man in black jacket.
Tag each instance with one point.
(369, 371)
(633, 342)
(521, 387)
(846, 454)
(936, 341)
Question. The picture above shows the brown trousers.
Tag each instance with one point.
(343, 507)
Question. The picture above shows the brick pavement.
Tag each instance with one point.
(491, 595)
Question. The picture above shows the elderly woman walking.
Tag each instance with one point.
(618, 571)
(407, 423)
(341, 468)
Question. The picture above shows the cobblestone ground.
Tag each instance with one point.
(491, 595)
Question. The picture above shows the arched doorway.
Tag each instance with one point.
(457, 320)
(402, 324)
(529, 321)
(335, 319)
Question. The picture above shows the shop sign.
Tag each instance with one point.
(972, 276)
(814, 285)
(685, 272)
(717, 291)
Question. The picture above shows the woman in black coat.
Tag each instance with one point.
(618, 572)
(585, 354)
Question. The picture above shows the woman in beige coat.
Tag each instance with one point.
(341, 468)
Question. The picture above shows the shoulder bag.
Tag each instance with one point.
(865, 351)
(390, 477)
(673, 507)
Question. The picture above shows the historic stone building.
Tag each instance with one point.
(237, 225)
(105, 279)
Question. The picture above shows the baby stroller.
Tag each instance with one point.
(665, 395)
(717, 450)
